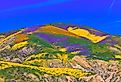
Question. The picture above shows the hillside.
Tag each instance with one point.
(60, 53)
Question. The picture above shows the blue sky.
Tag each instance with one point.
(104, 15)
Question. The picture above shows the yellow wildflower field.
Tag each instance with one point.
(53, 71)
(19, 45)
(86, 34)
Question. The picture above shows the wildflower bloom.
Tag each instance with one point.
(86, 34)
(63, 49)
(36, 56)
(118, 56)
(12, 35)
(21, 37)
(53, 71)
(19, 45)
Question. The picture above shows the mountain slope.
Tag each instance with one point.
(60, 52)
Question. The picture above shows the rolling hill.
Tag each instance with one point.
(60, 53)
